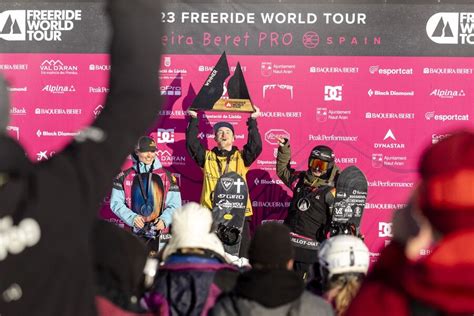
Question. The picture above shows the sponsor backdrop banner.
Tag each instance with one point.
(375, 82)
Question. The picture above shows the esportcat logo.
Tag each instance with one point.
(37, 25)
(451, 28)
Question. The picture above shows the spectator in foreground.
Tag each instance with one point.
(195, 270)
(49, 209)
(440, 219)
(343, 262)
(271, 287)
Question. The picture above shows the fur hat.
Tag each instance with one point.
(191, 228)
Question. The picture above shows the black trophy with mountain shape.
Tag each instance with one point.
(216, 95)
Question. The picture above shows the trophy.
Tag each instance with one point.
(216, 95)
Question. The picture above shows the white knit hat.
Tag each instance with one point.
(191, 228)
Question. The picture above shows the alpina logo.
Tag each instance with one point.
(451, 28)
(58, 89)
(447, 94)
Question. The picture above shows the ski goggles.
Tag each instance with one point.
(318, 164)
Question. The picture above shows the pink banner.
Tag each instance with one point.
(378, 113)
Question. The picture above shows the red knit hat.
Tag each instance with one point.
(447, 191)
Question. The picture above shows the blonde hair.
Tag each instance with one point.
(346, 287)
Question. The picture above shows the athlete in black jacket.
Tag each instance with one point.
(47, 210)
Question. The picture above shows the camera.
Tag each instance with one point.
(229, 235)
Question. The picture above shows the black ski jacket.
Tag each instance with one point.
(47, 210)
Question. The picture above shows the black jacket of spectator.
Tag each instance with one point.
(47, 210)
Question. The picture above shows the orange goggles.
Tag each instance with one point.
(318, 165)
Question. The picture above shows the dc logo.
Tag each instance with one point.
(13, 25)
(165, 136)
(332, 93)
(385, 229)
(443, 28)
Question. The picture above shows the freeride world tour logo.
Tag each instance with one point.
(37, 25)
(451, 28)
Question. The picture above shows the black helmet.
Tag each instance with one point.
(321, 158)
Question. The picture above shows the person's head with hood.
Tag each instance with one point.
(145, 150)
(271, 248)
(343, 261)
(123, 269)
(191, 233)
(446, 193)
(224, 135)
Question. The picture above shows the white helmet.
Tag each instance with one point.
(344, 254)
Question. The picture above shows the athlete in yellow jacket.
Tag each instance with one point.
(223, 158)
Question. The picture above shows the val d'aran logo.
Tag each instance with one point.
(451, 28)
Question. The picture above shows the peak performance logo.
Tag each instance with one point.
(37, 25)
(451, 28)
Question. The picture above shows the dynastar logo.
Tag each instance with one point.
(37, 25)
(272, 135)
(279, 86)
(451, 28)
(165, 135)
(447, 94)
(389, 145)
(333, 93)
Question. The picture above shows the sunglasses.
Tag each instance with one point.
(318, 165)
